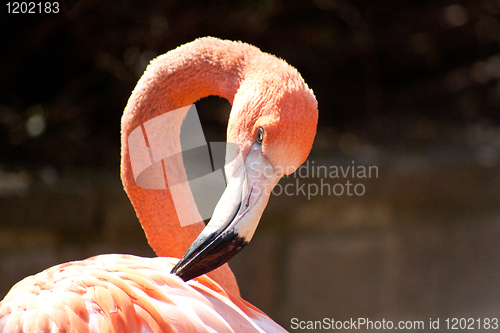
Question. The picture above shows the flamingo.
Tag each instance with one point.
(273, 121)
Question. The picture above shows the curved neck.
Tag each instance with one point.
(177, 79)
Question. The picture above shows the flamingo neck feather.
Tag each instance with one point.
(176, 79)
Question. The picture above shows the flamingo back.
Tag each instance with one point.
(124, 293)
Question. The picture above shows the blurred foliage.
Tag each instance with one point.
(392, 72)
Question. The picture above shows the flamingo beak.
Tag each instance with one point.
(235, 217)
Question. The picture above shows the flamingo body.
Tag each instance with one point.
(124, 293)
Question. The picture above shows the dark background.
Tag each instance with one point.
(380, 69)
(412, 87)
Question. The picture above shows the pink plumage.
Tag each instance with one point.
(122, 293)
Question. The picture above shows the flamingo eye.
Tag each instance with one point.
(259, 135)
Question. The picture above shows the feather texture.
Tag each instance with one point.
(124, 293)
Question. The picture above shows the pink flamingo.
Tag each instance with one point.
(273, 121)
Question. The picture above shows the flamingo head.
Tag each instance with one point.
(273, 123)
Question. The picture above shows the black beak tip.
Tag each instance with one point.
(208, 257)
